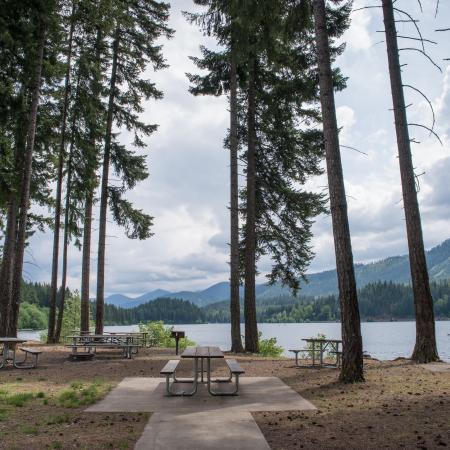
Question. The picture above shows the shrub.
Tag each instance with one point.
(160, 335)
(269, 347)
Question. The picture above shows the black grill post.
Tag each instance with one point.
(177, 335)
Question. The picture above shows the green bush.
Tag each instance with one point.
(32, 317)
(160, 335)
(269, 347)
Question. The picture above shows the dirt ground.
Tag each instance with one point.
(400, 405)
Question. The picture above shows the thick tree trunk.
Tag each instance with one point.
(6, 273)
(251, 326)
(352, 358)
(425, 349)
(25, 188)
(9, 245)
(104, 194)
(235, 308)
(61, 157)
(86, 263)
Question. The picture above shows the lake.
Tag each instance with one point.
(382, 340)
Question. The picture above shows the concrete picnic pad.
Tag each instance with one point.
(202, 422)
(149, 395)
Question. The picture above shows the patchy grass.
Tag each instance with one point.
(58, 419)
(3, 414)
(79, 395)
(29, 430)
(20, 399)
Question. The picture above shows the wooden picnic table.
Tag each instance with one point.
(90, 342)
(201, 354)
(320, 345)
(9, 351)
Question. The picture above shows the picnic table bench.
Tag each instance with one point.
(317, 349)
(9, 353)
(199, 354)
(90, 343)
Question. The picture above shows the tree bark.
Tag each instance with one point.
(352, 358)
(86, 263)
(100, 306)
(61, 156)
(9, 246)
(425, 349)
(251, 326)
(235, 308)
(65, 243)
(87, 231)
(6, 274)
(25, 188)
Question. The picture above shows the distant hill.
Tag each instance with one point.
(395, 269)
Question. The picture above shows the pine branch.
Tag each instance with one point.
(423, 53)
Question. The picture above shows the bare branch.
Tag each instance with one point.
(414, 22)
(423, 53)
(426, 128)
(417, 39)
(443, 29)
(427, 100)
(353, 148)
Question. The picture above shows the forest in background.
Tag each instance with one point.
(378, 301)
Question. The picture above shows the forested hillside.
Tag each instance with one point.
(378, 301)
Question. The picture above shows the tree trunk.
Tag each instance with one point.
(6, 274)
(251, 326)
(86, 263)
(65, 244)
(87, 231)
(235, 308)
(25, 188)
(9, 246)
(352, 358)
(104, 194)
(425, 349)
(61, 156)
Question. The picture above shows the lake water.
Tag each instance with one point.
(382, 340)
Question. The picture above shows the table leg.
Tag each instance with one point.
(321, 353)
(313, 353)
(4, 356)
(203, 368)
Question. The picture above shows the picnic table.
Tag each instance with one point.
(9, 351)
(199, 355)
(90, 342)
(320, 346)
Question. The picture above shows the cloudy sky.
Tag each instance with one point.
(187, 191)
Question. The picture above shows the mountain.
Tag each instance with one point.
(395, 269)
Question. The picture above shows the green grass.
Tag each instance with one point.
(78, 395)
(55, 419)
(40, 394)
(29, 429)
(3, 414)
(20, 399)
(57, 445)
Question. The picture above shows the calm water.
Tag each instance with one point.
(382, 340)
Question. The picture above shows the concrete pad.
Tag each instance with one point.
(437, 367)
(202, 431)
(149, 395)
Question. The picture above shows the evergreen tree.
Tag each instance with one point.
(138, 25)
(425, 349)
(352, 357)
